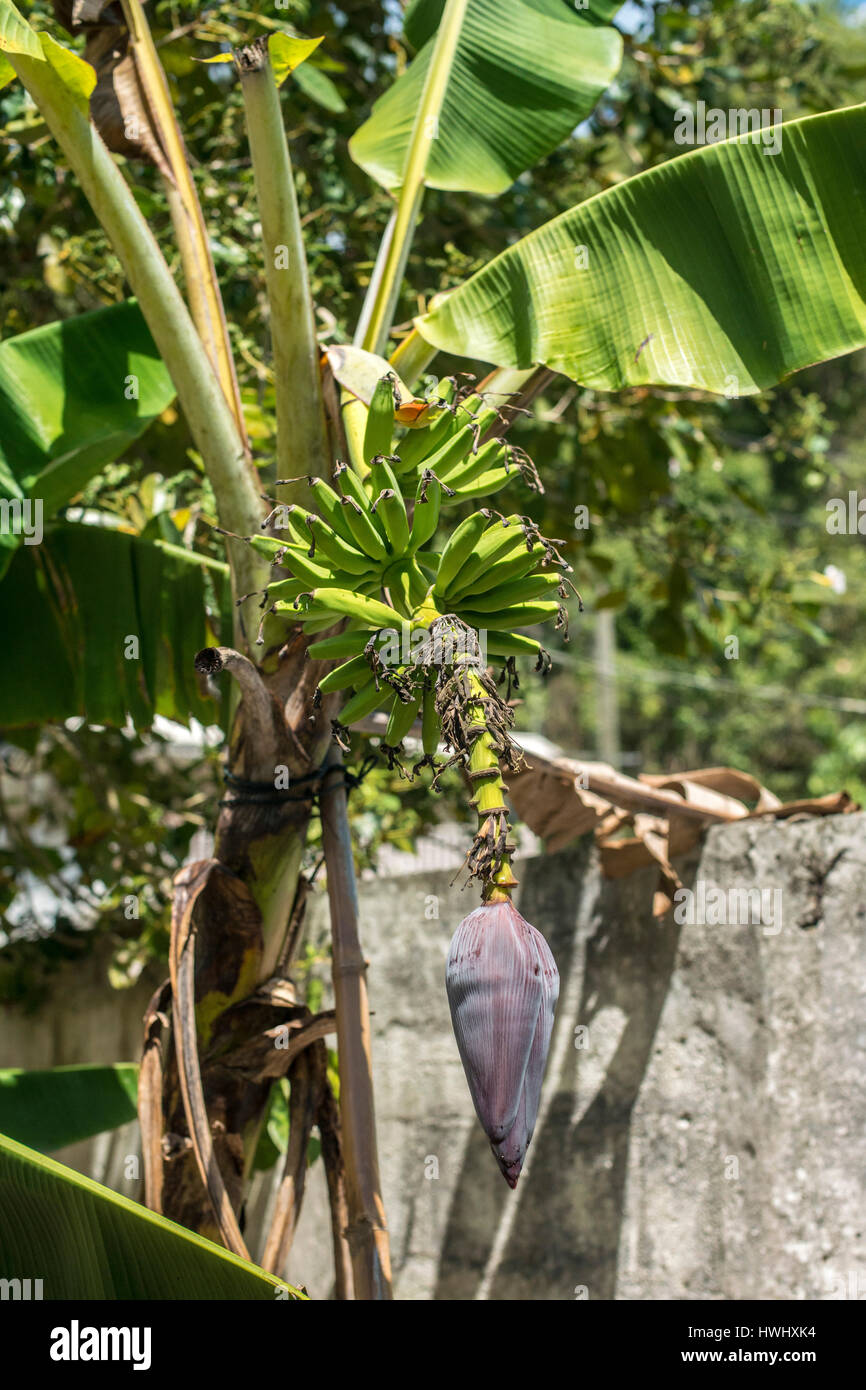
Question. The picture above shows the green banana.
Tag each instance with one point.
(487, 485)
(380, 419)
(329, 505)
(344, 644)
(357, 507)
(498, 546)
(388, 508)
(521, 615)
(512, 566)
(468, 406)
(458, 549)
(512, 644)
(351, 673)
(353, 605)
(406, 583)
(401, 720)
(268, 546)
(381, 475)
(288, 588)
(425, 518)
(302, 567)
(335, 549)
(364, 701)
(474, 465)
(518, 591)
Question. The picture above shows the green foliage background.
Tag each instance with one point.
(706, 516)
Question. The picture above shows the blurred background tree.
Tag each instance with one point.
(722, 620)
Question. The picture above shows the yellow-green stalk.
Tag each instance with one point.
(489, 794)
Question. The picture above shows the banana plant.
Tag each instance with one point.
(373, 578)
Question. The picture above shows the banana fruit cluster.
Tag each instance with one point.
(365, 557)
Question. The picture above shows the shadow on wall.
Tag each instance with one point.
(560, 1240)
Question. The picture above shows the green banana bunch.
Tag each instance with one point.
(503, 542)
(361, 572)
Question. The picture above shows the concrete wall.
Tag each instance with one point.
(704, 1139)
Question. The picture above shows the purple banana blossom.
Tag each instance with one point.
(502, 985)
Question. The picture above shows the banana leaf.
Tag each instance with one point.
(86, 1242)
(73, 396)
(49, 1109)
(103, 624)
(525, 73)
(725, 269)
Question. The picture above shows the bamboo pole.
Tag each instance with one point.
(367, 1232)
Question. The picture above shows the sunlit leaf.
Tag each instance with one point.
(725, 269)
(525, 73)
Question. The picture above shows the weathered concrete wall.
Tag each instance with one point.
(705, 1139)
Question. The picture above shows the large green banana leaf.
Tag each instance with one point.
(86, 1242)
(724, 269)
(62, 1105)
(525, 73)
(69, 609)
(73, 396)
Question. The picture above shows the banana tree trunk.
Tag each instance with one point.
(236, 911)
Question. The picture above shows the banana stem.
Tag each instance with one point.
(382, 294)
(489, 798)
(302, 439)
